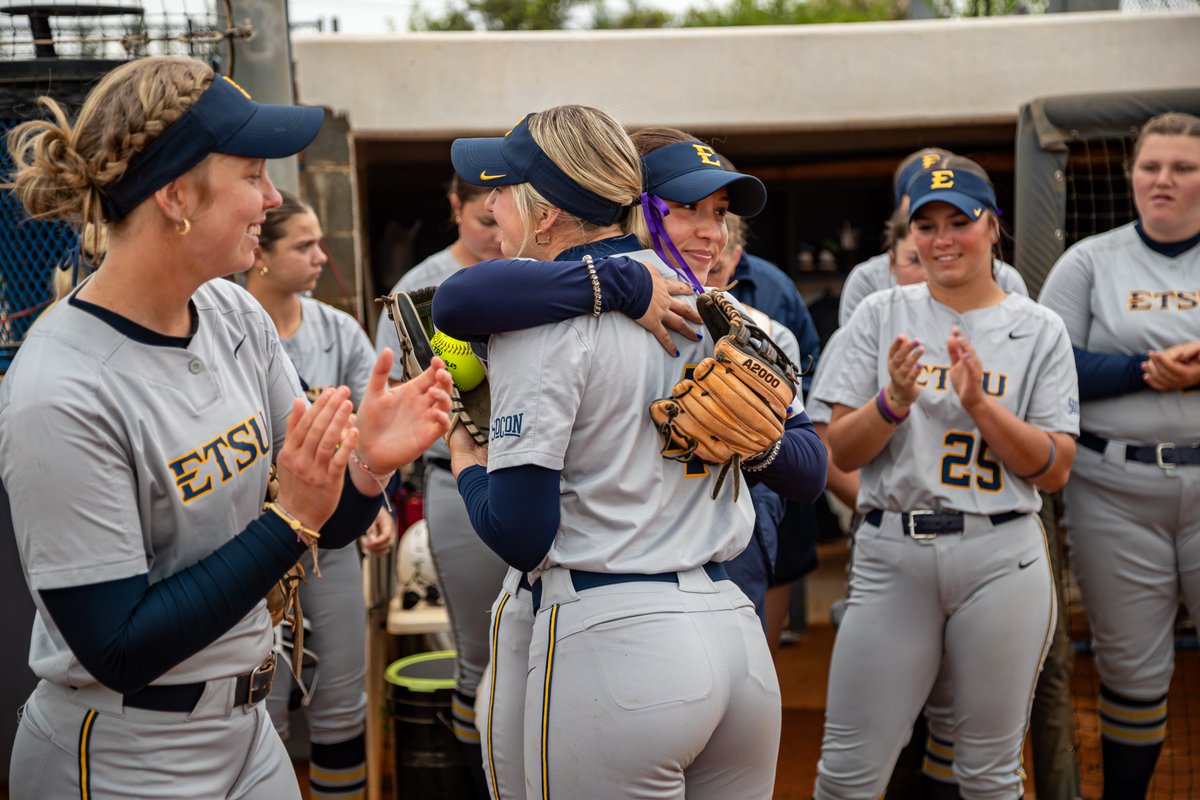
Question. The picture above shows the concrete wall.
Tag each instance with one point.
(786, 78)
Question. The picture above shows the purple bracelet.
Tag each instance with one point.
(885, 411)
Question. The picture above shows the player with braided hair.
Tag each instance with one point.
(138, 425)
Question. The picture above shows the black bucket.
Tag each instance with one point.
(429, 763)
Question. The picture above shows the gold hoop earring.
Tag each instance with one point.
(183, 228)
(538, 241)
(265, 269)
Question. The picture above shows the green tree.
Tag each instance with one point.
(496, 15)
(792, 12)
(635, 15)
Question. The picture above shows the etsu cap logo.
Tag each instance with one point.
(929, 159)
(941, 179)
(708, 156)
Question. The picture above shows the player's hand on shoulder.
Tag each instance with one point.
(311, 465)
(904, 367)
(1177, 367)
(966, 371)
(464, 452)
(381, 536)
(396, 424)
(669, 310)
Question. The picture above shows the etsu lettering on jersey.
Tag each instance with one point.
(1169, 300)
(226, 455)
(509, 425)
(937, 378)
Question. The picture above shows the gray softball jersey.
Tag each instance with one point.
(936, 458)
(159, 455)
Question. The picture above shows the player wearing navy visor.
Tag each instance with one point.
(651, 563)
(138, 425)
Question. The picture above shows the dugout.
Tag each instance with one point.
(1073, 154)
(822, 113)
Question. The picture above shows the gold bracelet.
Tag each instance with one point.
(306, 536)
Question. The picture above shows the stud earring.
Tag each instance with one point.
(457, 219)
(184, 228)
(538, 241)
(265, 269)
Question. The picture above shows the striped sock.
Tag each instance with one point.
(1131, 737)
(339, 770)
(938, 766)
(462, 710)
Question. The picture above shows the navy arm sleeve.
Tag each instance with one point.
(353, 516)
(129, 632)
(509, 295)
(515, 510)
(798, 471)
(1108, 374)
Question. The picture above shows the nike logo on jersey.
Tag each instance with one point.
(1015, 335)
(239, 346)
(1024, 564)
(506, 426)
(483, 176)
(226, 455)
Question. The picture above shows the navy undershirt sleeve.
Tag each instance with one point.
(129, 632)
(353, 516)
(798, 471)
(509, 295)
(514, 510)
(1108, 374)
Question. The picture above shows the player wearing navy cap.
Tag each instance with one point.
(137, 429)
(950, 550)
(1129, 301)
(617, 529)
(874, 274)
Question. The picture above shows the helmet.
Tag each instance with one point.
(416, 574)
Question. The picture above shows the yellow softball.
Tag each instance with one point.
(464, 367)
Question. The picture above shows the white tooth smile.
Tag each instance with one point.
(255, 230)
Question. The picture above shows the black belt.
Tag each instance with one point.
(927, 524)
(1167, 455)
(440, 463)
(251, 688)
(590, 580)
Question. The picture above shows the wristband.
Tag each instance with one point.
(1045, 468)
(307, 536)
(885, 411)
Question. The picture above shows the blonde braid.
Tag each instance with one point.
(62, 169)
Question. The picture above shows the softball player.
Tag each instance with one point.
(611, 602)
(950, 571)
(137, 428)
(468, 572)
(328, 348)
(1132, 526)
(876, 273)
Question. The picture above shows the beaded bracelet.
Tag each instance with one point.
(1045, 468)
(768, 456)
(595, 279)
(885, 411)
(383, 479)
(307, 536)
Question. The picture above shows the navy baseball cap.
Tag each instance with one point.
(688, 172)
(224, 120)
(516, 158)
(966, 191)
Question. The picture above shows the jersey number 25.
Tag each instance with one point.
(957, 470)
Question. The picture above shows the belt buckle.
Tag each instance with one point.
(261, 679)
(1158, 455)
(911, 525)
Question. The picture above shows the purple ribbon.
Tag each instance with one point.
(654, 208)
